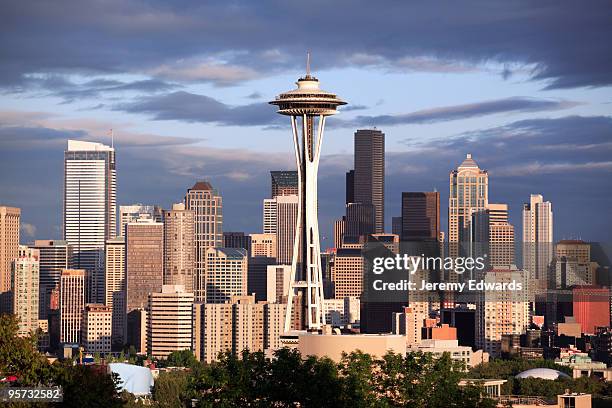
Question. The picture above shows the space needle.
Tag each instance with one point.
(307, 106)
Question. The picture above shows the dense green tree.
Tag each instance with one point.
(182, 358)
(19, 356)
(170, 389)
(358, 387)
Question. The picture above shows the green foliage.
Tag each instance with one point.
(183, 358)
(170, 389)
(19, 356)
(83, 386)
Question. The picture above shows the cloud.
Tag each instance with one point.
(254, 95)
(351, 107)
(189, 107)
(28, 230)
(225, 43)
(33, 130)
(218, 74)
(69, 90)
(457, 112)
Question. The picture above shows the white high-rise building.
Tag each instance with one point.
(207, 206)
(170, 321)
(24, 285)
(500, 312)
(469, 193)
(96, 328)
(90, 194)
(269, 216)
(116, 287)
(226, 274)
(537, 239)
(286, 218)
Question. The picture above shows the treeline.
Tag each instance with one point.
(252, 380)
(289, 380)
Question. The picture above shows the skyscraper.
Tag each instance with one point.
(501, 312)
(9, 247)
(469, 192)
(360, 220)
(144, 272)
(591, 307)
(226, 274)
(90, 193)
(286, 218)
(115, 288)
(169, 324)
(347, 273)
(350, 187)
(396, 226)
(420, 216)
(72, 303)
(236, 239)
(130, 213)
(269, 216)
(572, 264)
(24, 289)
(96, 328)
(53, 257)
(339, 231)
(144, 262)
(207, 206)
(537, 238)
(369, 178)
(494, 235)
(284, 183)
(179, 247)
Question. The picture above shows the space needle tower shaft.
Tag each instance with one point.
(307, 106)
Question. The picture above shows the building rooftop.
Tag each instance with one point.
(80, 145)
(201, 185)
(233, 253)
(468, 162)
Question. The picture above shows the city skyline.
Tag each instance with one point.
(187, 110)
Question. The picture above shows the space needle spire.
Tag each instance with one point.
(307, 106)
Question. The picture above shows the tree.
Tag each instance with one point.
(170, 389)
(182, 358)
(19, 356)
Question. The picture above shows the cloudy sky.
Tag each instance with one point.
(525, 87)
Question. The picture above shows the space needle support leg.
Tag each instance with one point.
(298, 227)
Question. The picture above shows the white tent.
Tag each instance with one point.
(135, 379)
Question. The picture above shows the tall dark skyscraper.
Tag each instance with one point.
(360, 219)
(234, 239)
(370, 173)
(350, 186)
(420, 216)
(284, 183)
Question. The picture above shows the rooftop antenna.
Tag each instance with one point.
(112, 135)
(307, 64)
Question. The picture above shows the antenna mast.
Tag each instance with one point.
(308, 64)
